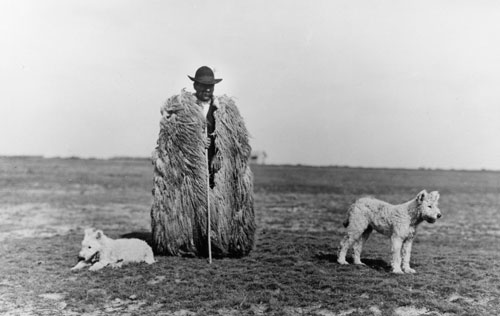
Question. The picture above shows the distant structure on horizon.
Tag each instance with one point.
(258, 157)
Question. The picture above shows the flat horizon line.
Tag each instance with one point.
(299, 165)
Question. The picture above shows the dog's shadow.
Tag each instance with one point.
(376, 264)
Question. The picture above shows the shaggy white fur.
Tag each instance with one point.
(396, 221)
(98, 251)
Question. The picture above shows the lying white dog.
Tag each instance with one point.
(396, 221)
(98, 251)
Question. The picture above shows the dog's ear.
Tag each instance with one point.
(434, 196)
(98, 234)
(421, 196)
(88, 231)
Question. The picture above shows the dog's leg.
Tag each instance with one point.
(80, 265)
(358, 223)
(352, 237)
(117, 264)
(396, 254)
(149, 258)
(345, 244)
(358, 245)
(406, 251)
(98, 265)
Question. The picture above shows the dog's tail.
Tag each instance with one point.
(348, 215)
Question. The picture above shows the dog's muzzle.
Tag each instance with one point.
(432, 220)
(95, 257)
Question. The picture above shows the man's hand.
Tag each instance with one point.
(207, 142)
(216, 163)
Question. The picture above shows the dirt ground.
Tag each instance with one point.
(46, 203)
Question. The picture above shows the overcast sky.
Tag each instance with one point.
(359, 83)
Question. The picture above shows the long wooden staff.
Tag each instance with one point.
(209, 229)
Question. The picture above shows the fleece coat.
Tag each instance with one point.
(179, 210)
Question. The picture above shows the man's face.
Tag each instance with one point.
(204, 92)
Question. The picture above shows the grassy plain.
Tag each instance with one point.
(46, 203)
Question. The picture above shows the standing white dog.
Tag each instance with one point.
(396, 221)
(98, 251)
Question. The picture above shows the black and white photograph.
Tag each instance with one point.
(229, 157)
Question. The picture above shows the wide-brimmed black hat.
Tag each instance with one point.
(205, 75)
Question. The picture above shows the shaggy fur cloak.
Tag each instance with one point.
(179, 211)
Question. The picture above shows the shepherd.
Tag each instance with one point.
(202, 176)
